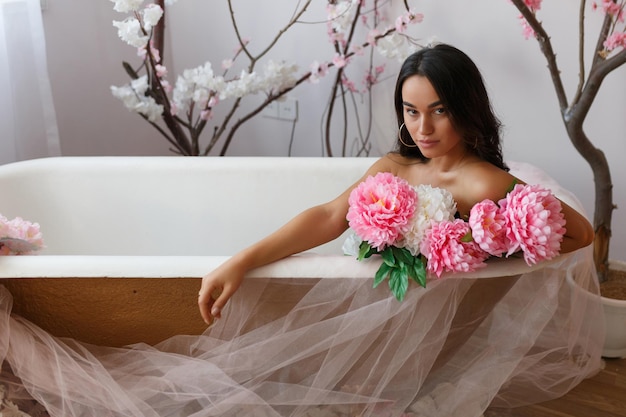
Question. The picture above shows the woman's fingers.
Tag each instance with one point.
(212, 299)
(220, 298)
(209, 292)
(205, 303)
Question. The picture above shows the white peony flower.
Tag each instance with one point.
(433, 204)
(351, 244)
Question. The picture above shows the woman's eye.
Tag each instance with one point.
(440, 110)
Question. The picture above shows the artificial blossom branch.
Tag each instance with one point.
(189, 106)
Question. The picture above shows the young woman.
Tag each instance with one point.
(338, 347)
(448, 137)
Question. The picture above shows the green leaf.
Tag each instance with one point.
(129, 70)
(398, 283)
(513, 184)
(467, 237)
(365, 251)
(388, 256)
(419, 272)
(381, 274)
(403, 255)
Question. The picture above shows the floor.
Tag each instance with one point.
(603, 395)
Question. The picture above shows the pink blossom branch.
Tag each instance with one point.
(218, 132)
(574, 117)
(546, 49)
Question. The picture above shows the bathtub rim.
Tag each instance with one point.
(305, 265)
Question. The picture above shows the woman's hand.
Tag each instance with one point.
(217, 288)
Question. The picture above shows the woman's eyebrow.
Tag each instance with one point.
(430, 106)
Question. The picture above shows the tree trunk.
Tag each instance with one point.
(603, 202)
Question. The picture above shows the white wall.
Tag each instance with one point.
(84, 58)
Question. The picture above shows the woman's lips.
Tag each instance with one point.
(427, 143)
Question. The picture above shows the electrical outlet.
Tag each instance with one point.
(288, 109)
(271, 110)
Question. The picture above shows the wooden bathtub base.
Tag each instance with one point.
(109, 311)
(121, 311)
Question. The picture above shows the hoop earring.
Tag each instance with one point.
(400, 138)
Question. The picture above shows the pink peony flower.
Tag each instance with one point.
(380, 209)
(488, 226)
(446, 250)
(534, 222)
(433, 205)
(19, 236)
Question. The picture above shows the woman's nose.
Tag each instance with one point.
(425, 126)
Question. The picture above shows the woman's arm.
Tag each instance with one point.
(311, 228)
(578, 231)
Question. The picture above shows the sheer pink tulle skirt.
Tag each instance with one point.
(332, 347)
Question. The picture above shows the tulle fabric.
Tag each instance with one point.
(332, 347)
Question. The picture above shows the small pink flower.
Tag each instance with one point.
(533, 5)
(527, 30)
(340, 61)
(161, 70)
(227, 64)
(446, 250)
(615, 41)
(613, 8)
(167, 87)
(534, 221)
(238, 48)
(206, 114)
(401, 23)
(380, 209)
(349, 84)
(317, 71)
(488, 227)
(417, 17)
(371, 36)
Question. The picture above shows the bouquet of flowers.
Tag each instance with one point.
(417, 234)
(19, 236)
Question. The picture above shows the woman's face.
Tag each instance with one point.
(427, 120)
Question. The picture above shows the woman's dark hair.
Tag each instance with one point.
(461, 89)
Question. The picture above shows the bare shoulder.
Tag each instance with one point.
(391, 162)
(482, 180)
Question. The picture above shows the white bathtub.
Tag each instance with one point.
(128, 238)
(143, 218)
